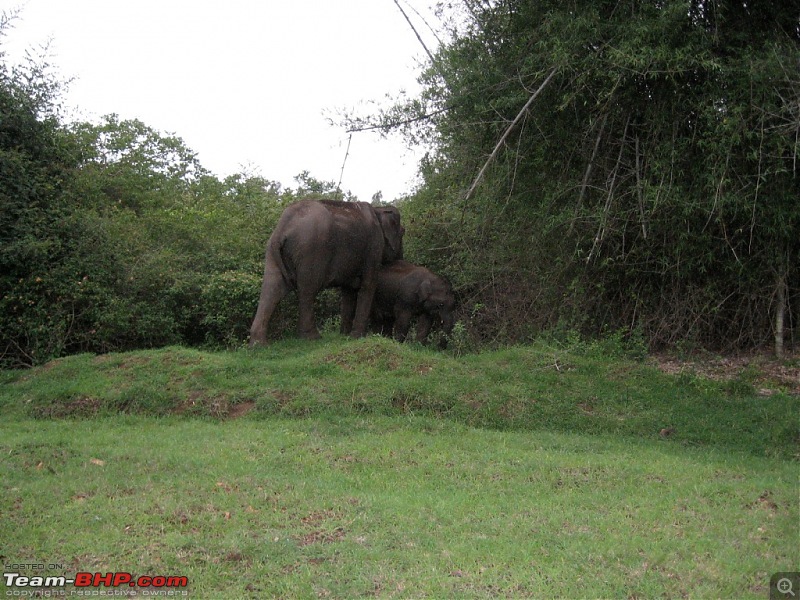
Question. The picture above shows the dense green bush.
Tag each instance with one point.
(114, 237)
(224, 302)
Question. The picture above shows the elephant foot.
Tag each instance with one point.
(312, 334)
(255, 342)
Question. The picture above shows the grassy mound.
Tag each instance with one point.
(586, 390)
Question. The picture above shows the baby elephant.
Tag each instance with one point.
(404, 291)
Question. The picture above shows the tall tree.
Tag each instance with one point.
(652, 184)
(37, 161)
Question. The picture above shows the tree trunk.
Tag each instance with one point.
(780, 310)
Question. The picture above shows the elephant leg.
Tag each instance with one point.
(363, 305)
(402, 323)
(348, 309)
(424, 323)
(386, 326)
(273, 290)
(306, 327)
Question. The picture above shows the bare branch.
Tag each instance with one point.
(601, 230)
(344, 162)
(639, 192)
(416, 33)
(393, 124)
(431, 29)
(506, 133)
(587, 174)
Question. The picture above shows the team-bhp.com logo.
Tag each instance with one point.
(96, 580)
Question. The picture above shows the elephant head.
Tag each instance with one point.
(389, 219)
(439, 301)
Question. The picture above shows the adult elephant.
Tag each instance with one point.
(324, 243)
(406, 290)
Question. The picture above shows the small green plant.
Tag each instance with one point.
(739, 387)
(623, 343)
(332, 324)
(459, 342)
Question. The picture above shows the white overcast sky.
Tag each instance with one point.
(245, 83)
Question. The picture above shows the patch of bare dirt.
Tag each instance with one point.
(321, 537)
(81, 406)
(219, 407)
(320, 534)
(767, 374)
(241, 409)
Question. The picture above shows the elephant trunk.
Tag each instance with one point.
(448, 322)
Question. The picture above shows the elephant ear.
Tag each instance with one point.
(389, 218)
(425, 290)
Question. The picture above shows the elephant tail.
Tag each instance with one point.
(283, 258)
(277, 253)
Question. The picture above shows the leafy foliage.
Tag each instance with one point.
(36, 162)
(114, 237)
(652, 185)
(223, 296)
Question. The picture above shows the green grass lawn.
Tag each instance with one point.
(345, 469)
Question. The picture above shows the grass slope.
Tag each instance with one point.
(384, 486)
(541, 387)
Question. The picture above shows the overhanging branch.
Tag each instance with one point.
(393, 124)
(507, 132)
